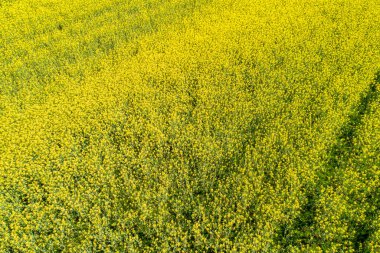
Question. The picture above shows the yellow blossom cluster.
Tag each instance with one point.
(189, 126)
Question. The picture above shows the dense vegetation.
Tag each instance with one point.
(189, 126)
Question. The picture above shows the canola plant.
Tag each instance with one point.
(189, 126)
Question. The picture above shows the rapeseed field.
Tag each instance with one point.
(189, 126)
